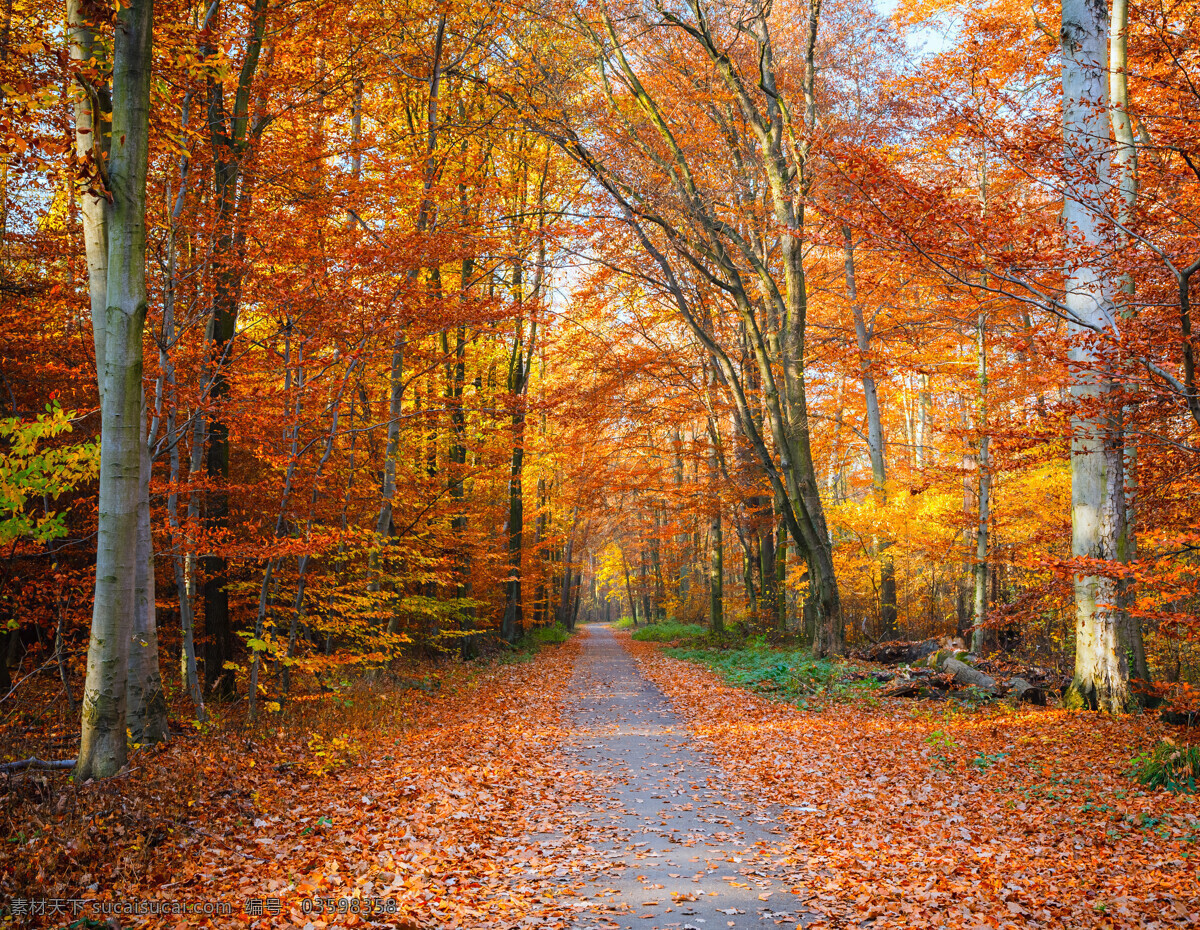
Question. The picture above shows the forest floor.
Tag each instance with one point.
(603, 783)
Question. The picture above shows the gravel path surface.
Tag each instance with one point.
(684, 852)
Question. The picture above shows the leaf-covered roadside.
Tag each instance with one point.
(452, 804)
(914, 815)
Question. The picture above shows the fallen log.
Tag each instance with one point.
(35, 763)
(903, 687)
(897, 651)
(1022, 692)
(965, 675)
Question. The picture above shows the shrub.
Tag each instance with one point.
(624, 623)
(556, 633)
(1168, 765)
(670, 632)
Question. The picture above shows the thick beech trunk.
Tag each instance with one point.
(1097, 481)
(103, 737)
(146, 710)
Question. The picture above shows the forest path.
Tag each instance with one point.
(684, 852)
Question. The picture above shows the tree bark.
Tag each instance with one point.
(146, 710)
(875, 448)
(232, 137)
(180, 546)
(1125, 165)
(716, 551)
(102, 743)
(984, 486)
(1101, 678)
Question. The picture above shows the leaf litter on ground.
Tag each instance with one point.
(915, 814)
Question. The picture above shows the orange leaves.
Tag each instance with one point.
(416, 823)
(1028, 820)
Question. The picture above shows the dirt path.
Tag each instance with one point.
(684, 853)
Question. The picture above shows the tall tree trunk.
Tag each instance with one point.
(180, 545)
(146, 709)
(520, 368)
(716, 550)
(564, 599)
(766, 572)
(233, 135)
(984, 486)
(633, 612)
(384, 525)
(102, 743)
(1125, 164)
(514, 619)
(924, 402)
(1097, 481)
(863, 332)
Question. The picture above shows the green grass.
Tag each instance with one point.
(788, 674)
(624, 623)
(1168, 765)
(545, 635)
(532, 642)
(670, 632)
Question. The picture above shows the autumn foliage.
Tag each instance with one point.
(469, 320)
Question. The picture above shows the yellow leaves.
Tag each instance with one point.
(29, 472)
(330, 754)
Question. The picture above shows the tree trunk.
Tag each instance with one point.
(180, 548)
(514, 618)
(1097, 482)
(1125, 165)
(887, 568)
(384, 525)
(564, 595)
(103, 736)
(232, 137)
(716, 568)
(146, 710)
(629, 590)
(984, 467)
(923, 405)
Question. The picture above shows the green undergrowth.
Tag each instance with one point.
(533, 641)
(624, 623)
(545, 635)
(1168, 765)
(786, 674)
(670, 631)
